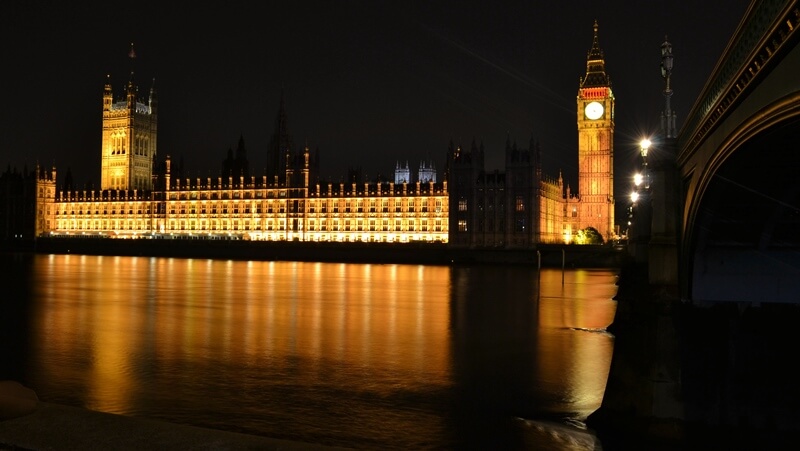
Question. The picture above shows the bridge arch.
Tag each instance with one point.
(741, 222)
(738, 168)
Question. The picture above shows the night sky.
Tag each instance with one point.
(367, 83)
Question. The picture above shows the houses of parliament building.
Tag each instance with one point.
(143, 196)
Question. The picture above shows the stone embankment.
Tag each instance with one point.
(570, 256)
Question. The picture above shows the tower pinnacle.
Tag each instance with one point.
(595, 64)
(132, 57)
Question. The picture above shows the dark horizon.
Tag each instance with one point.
(367, 84)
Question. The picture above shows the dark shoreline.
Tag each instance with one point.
(570, 256)
(727, 364)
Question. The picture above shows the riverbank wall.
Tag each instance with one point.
(569, 256)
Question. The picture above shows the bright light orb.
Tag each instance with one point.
(638, 179)
(634, 197)
(645, 145)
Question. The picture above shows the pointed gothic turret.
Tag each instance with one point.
(236, 166)
(595, 120)
(153, 100)
(131, 90)
(280, 145)
(536, 158)
(108, 94)
(130, 93)
(595, 65)
(129, 140)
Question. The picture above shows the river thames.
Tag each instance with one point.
(366, 356)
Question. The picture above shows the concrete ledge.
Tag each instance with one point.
(35, 425)
(16, 400)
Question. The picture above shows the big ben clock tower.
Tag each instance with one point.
(596, 146)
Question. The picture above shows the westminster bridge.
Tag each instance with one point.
(707, 341)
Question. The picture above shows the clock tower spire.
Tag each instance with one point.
(595, 108)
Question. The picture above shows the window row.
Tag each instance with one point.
(248, 225)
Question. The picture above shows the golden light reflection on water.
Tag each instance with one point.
(417, 352)
(575, 308)
(111, 310)
(559, 352)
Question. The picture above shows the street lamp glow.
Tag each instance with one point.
(644, 145)
(638, 179)
(634, 196)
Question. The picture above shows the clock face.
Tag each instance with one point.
(594, 110)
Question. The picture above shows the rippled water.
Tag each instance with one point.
(358, 355)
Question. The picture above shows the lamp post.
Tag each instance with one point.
(644, 146)
(633, 221)
(640, 207)
(666, 207)
(668, 116)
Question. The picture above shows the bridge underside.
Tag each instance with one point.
(747, 235)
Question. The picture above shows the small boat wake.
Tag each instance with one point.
(592, 330)
(552, 435)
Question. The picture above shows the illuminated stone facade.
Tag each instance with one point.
(130, 128)
(252, 209)
(471, 207)
(281, 206)
(522, 206)
(513, 209)
(595, 101)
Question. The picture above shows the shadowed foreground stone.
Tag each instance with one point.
(16, 400)
(29, 424)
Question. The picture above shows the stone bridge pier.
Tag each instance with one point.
(705, 332)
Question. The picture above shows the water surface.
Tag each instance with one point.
(358, 355)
